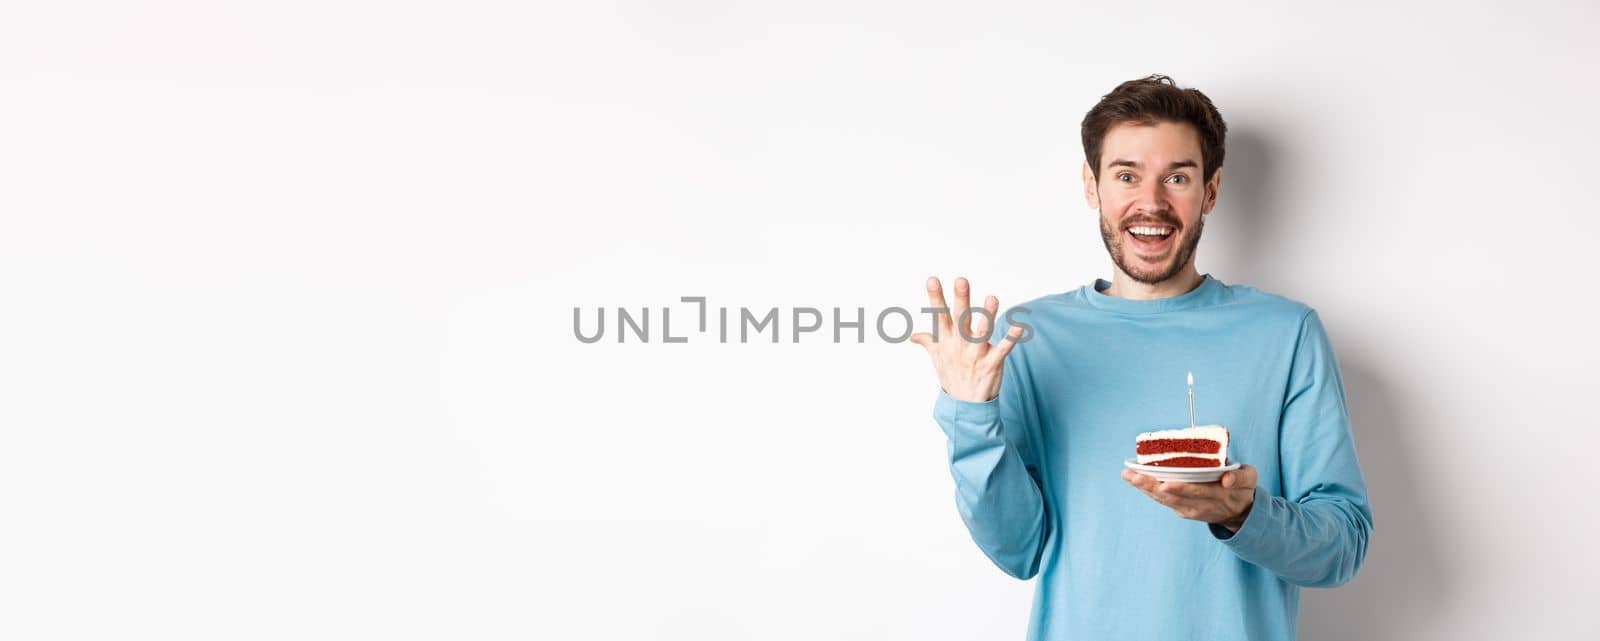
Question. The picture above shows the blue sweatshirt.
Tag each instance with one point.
(1038, 469)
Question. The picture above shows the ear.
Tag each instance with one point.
(1212, 186)
(1091, 191)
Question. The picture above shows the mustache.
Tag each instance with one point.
(1168, 221)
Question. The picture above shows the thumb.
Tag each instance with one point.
(1248, 476)
(1243, 477)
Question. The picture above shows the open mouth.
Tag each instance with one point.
(1151, 239)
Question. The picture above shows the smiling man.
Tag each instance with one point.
(1039, 428)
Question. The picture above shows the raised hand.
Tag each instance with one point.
(969, 367)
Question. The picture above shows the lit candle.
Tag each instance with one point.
(1191, 400)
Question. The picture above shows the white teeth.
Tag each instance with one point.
(1150, 231)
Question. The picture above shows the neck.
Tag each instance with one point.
(1124, 286)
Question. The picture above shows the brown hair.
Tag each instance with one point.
(1152, 100)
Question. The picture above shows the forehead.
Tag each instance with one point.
(1151, 145)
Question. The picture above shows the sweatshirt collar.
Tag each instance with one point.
(1209, 292)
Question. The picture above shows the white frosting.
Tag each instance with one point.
(1216, 432)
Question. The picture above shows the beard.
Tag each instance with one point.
(1184, 252)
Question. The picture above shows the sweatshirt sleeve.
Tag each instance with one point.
(994, 459)
(1316, 534)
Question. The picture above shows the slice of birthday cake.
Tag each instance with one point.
(1203, 446)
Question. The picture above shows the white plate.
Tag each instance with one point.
(1182, 474)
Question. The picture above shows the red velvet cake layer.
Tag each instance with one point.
(1186, 461)
(1164, 445)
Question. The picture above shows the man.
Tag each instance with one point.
(1039, 426)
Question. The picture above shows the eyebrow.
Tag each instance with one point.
(1176, 164)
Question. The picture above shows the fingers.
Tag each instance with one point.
(992, 306)
(936, 299)
(963, 293)
(1176, 489)
(1179, 497)
(997, 354)
(976, 325)
(1151, 488)
(1197, 501)
(1147, 484)
(1170, 491)
(980, 322)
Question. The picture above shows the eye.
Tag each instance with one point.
(1125, 177)
(1178, 179)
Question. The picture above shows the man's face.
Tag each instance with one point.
(1151, 201)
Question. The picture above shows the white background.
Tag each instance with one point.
(286, 294)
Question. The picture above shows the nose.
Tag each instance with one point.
(1151, 198)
